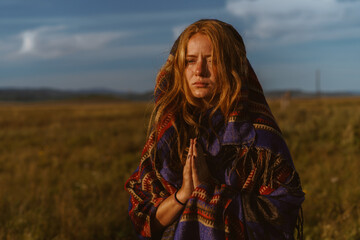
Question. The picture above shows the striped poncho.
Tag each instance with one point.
(257, 192)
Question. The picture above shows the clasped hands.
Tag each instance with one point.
(195, 171)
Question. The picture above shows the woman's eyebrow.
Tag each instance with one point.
(192, 55)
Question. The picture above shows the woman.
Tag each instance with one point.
(215, 165)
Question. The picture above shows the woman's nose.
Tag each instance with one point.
(200, 68)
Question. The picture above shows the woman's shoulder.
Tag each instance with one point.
(270, 138)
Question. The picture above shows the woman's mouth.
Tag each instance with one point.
(200, 84)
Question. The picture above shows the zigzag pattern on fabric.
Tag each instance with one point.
(205, 209)
(146, 186)
(267, 128)
(281, 177)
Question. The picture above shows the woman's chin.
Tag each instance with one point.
(202, 95)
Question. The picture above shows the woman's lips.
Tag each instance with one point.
(200, 84)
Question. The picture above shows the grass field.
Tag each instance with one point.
(63, 166)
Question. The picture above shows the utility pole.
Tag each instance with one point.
(317, 82)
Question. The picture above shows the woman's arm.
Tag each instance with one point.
(169, 210)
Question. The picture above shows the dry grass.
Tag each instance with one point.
(63, 167)
(324, 138)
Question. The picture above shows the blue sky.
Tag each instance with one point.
(120, 45)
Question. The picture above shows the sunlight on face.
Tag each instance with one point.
(199, 70)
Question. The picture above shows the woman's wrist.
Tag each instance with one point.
(177, 199)
(180, 197)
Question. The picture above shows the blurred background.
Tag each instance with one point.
(120, 45)
(76, 79)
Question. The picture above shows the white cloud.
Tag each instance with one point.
(293, 21)
(54, 42)
(122, 52)
(83, 48)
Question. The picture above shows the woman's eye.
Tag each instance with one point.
(190, 61)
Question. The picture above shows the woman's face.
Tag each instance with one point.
(199, 70)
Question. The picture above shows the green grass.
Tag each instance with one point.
(63, 166)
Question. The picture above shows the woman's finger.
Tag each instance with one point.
(191, 148)
(187, 167)
(194, 172)
(200, 170)
(195, 148)
(187, 185)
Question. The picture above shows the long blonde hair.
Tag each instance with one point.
(172, 92)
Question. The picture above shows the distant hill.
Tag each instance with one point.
(302, 94)
(47, 94)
